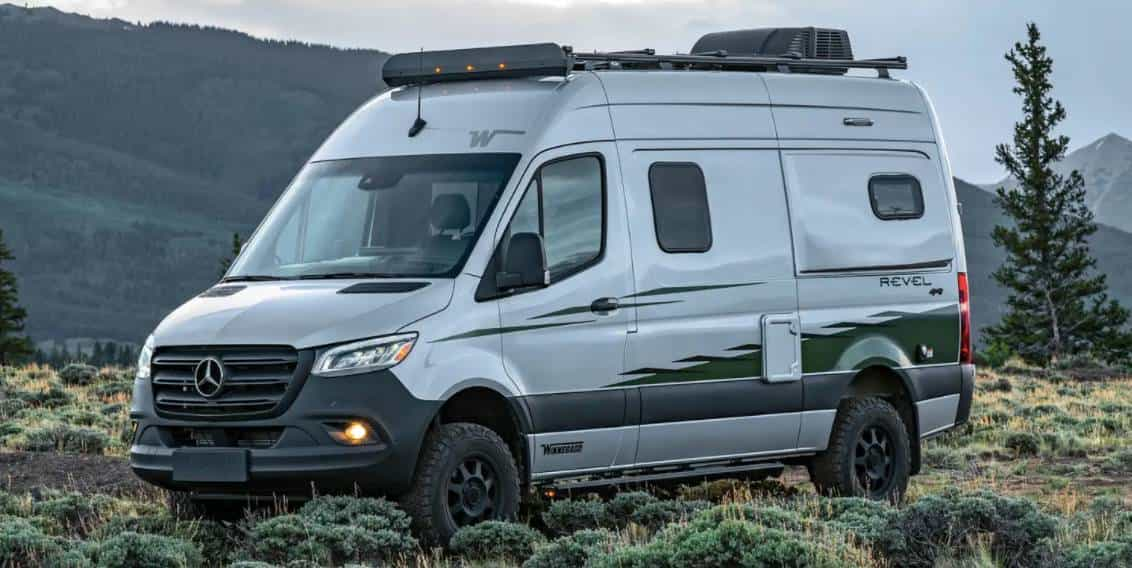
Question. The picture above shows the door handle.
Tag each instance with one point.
(604, 305)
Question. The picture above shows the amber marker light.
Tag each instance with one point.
(470, 68)
(502, 65)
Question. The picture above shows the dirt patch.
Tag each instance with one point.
(26, 471)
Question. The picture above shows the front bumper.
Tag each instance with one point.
(300, 454)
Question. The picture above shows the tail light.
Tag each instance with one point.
(966, 355)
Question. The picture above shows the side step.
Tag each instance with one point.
(702, 473)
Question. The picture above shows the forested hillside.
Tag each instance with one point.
(129, 154)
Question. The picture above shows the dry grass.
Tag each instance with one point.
(1063, 444)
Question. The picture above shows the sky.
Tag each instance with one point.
(955, 48)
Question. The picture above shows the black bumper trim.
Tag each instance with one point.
(305, 457)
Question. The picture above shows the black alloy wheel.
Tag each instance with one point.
(473, 492)
(874, 461)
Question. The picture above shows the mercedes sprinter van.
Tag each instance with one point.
(527, 267)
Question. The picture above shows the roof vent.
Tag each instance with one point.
(808, 43)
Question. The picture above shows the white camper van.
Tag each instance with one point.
(527, 267)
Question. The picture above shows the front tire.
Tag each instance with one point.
(466, 475)
(868, 454)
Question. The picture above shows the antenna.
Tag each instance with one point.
(419, 123)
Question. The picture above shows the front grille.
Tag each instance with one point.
(256, 381)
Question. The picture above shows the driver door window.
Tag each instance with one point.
(565, 203)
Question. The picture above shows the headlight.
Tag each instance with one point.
(145, 358)
(365, 356)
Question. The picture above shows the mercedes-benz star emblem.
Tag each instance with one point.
(209, 377)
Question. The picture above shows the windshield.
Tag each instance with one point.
(401, 216)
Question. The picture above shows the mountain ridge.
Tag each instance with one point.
(1106, 165)
(131, 153)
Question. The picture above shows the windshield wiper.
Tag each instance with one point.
(342, 275)
(253, 278)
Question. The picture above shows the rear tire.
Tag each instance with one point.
(466, 475)
(868, 454)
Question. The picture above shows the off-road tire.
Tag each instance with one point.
(445, 449)
(835, 471)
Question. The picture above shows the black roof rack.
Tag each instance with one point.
(548, 59)
(721, 60)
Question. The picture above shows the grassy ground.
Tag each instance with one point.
(1042, 475)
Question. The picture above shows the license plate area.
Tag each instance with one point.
(222, 465)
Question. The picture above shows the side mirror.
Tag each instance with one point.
(525, 264)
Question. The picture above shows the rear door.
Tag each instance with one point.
(877, 270)
(715, 351)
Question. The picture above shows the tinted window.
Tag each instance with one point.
(896, 197)
(572, 210)
(565, 203)
(680, 207)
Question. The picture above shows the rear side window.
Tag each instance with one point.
(680, 207)
(896, 197)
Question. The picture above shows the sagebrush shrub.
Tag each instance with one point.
(75, 512)
(287, 538)
(496, 540)
(53, 395)
(1118, 462)
(344, 510)
(209, 535)
(334, 530)
(9, 407)
(1001, 384)
(936, 525)
(1023, 443)
(659, 513)
(10, 504)
(728, 543)
(24, 544)
(110, 390)
(571, 551)
(623, 505)
(1108, 554)
(61, 438)
(134, 550)
(565, 517)
(78, 374)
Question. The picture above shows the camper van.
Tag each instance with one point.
(528, 268)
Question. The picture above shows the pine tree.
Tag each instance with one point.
(1058, 304)
(227, 261)
(14, 346)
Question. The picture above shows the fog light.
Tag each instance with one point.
(356, 432)
(353, 433)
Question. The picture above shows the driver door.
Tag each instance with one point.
(564, 342)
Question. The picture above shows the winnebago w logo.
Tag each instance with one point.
(481, 138)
